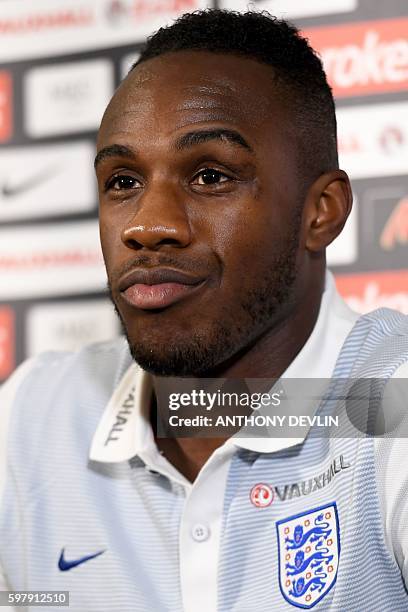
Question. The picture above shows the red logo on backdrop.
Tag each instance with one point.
(41, 21)
(158, 7)
(262, 495)
(366, 292)
(7, 361)
(364, 58)
(6, 108)
(396, 229)
(120, 10)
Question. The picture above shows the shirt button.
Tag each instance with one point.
(200, 532)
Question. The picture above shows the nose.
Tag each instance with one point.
(160, 219)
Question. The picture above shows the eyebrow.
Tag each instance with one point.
(114, 150)
(190, 139)
(200, 136)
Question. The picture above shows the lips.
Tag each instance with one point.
(152, 288)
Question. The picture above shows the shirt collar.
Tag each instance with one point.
(316, 360)
(125, 431)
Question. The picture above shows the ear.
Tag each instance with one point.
(327, 206)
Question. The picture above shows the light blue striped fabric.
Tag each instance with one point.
(55, 498)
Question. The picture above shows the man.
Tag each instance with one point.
(219, 192)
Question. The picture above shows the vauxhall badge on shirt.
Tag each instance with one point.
(309, 549)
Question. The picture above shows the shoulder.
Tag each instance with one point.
(378, 344)
(105, 361)
(48, 394)
(390, 454)
(8, 392)
(385, 323)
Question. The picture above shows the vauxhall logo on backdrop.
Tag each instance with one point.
(44, 30)
(119, 11)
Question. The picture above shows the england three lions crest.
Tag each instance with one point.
(309, 550)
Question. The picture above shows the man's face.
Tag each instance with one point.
(199, 209)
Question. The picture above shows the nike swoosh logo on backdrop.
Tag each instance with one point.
(10, 191)
(65, 565)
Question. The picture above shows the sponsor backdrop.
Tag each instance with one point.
(60, 63)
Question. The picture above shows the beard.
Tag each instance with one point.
(205, 351)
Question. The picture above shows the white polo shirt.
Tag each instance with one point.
(201, 521)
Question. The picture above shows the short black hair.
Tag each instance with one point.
(297, 71)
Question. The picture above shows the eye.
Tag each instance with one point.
(210, 176)
(121, 182)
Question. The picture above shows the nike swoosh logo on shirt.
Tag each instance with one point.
(65, 565)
